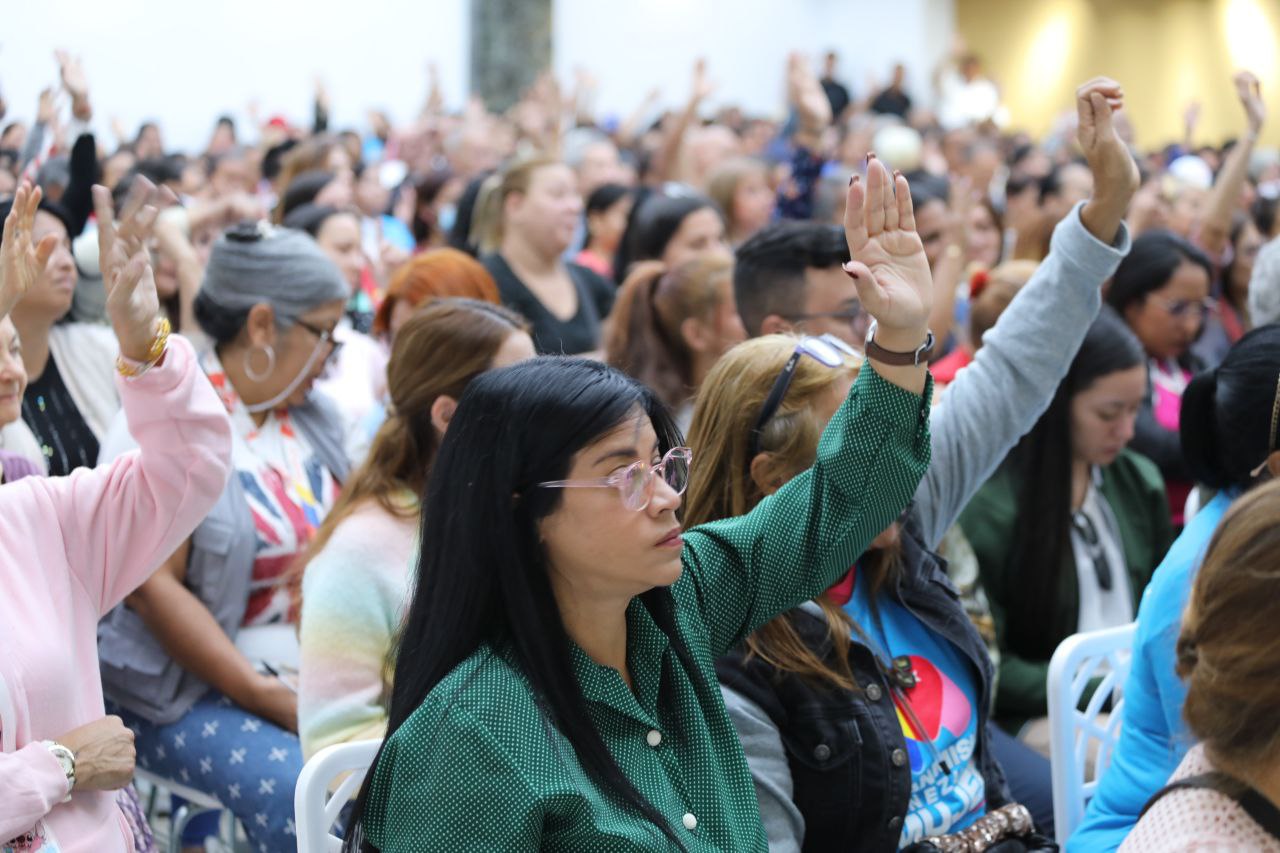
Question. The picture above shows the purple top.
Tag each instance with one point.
(16, 467)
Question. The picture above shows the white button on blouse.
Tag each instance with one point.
(690, 822)
(654, 737)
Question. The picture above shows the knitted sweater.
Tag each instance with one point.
(353, 597)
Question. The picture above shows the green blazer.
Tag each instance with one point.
(1134, 488)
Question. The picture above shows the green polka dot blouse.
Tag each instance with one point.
(479, 768)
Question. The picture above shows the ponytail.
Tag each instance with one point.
(1199, 431)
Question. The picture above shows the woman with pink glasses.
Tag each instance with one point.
(555, 685)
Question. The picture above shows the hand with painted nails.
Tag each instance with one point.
(22, 260)
(132, 303)
(889, 266)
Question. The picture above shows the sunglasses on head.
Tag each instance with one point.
(827, 350)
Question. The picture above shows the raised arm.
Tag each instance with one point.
(1224, 198)
(741, 572)
(119, 522)
(997, 399)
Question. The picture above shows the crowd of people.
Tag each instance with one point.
(697, 481)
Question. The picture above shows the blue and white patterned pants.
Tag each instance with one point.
(250, 765)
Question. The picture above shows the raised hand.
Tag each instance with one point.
(702, 85)
(72, 74)
(132, 302)
(806, 95)
(889, 266)
(21, 260)
(1249, 91)
(1115, 174)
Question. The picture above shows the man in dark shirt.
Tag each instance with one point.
(893, 99)
(837, 93)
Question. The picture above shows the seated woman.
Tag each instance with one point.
(1069, 529)
(823, 697)
(673, 229)
(71, 395)
(1225, 795)
(552, 687)
(13, 381)
(990, 292)
(356, 379)
(94, 536)
(740, 188)
(355, 575)
(1162, 291)
(172, 659)
(863, 766)
(607, 211)
(434, 274)
(670, 328)
(529, 221)
(1231, 438)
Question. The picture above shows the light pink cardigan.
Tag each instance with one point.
(70, 549)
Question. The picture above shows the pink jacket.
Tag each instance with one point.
(71, 548)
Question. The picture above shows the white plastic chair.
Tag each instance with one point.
(1074, 734)
(315, 809)
(197, 803)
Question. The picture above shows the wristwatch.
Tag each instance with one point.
(897, 359)
(67, 759)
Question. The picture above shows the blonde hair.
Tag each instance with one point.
(720, 483)
(722, 186)
(488, 225)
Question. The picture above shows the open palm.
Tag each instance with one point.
(132, 302)
(889, 266)
(21, 259)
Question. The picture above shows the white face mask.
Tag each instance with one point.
(292, 386)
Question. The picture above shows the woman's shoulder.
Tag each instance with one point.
(1133, 469)
(83, 335)
(368, 541)
(1197, 818)
(484, 699)
(994, 504)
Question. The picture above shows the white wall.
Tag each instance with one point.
(633, 47)
(184, 62)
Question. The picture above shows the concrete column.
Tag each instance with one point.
(510, 47)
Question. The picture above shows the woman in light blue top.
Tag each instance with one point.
(1230, 421)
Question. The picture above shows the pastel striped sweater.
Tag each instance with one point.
(354, 594)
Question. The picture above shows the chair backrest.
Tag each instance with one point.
(315, 809)
(1078, 736)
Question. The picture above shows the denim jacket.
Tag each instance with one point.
(847, 756)
(137, 672)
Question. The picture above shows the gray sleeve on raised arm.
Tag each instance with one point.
(999, 397)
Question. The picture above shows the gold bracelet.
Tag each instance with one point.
(130, 369)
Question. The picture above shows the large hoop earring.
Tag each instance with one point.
(271, 363)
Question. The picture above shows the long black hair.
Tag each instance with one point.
(482, 573)
(1042, 467)
(1228, 421)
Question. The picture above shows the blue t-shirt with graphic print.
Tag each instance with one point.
(944, 700)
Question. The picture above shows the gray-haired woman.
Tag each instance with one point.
(205, 712)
